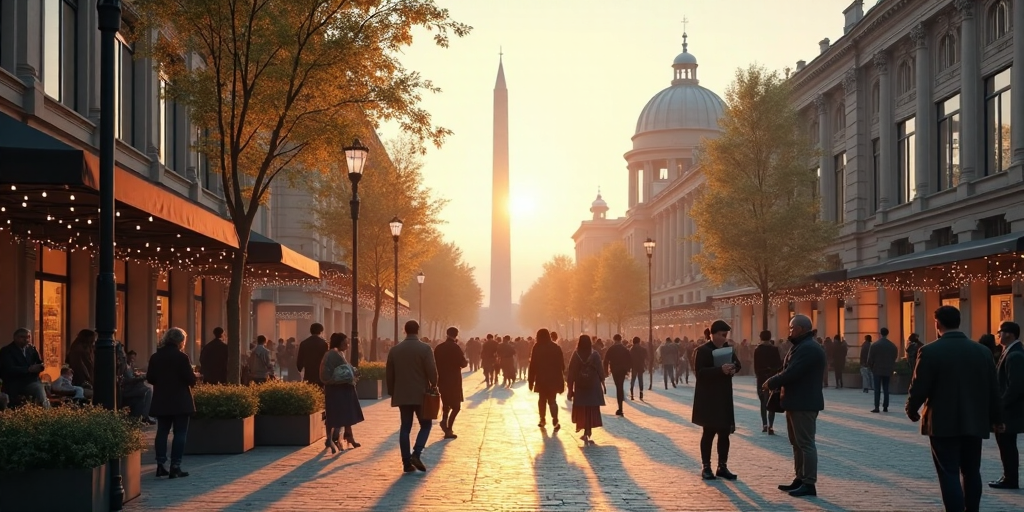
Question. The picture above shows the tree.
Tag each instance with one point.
(621, 285)
(390, 187)
(757, 222)
(281, 85)
(584, 290)
(451, 296)
(533, 310)
(558, 275)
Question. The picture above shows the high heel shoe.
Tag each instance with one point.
(352, 442)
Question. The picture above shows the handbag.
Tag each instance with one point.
(343, 374)
(431, 404)
(774, 403)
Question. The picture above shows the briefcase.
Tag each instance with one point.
(431, 405)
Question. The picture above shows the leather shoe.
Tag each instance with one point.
(797, 483)
(874, 410)
(885, 409)
(725, 473)
(1003, 484)
(706, 474)
(804, 490)
(407, 468)
(450, 435)
(161, 471)
(176, 472)
(417, 463)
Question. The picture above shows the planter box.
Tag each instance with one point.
(289, 430)
(369, 389)
(852, 381)
(67, 490)
(131, 476)
(899, 384)
(215, 436)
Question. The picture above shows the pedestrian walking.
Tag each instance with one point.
(956, 383)
(867, 380)
(617, 363)
(801, 384)
(713, 403)
(638, 354)
(473, 353)
(411, 372)
(584, 387)
(341, 403)
(546, 376)
(840, 350)
(913, 345)
(882, 362)
(450, 361)
(488, 360)
(669, 355)
(1010, 374)
(260, 367)
(213, 359)
(311, 353)
(766, 364)
(170, 373)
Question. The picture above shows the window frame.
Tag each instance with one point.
(64, 88)
(839, 169)
(950, 159)
(998, 20)
(906, 146)
(996, 139)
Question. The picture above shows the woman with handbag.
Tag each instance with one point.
(584, 379)
(341, 401)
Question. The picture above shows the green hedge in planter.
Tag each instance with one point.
(279, 398)
(68, 437)
(216, 401)
(372, 371)
(903, 368)
(852, 367)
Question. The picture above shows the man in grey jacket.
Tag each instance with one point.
(411, 371)
(882, 362)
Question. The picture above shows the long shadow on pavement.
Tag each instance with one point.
(550, 468)
(621, 490)
(404, 487)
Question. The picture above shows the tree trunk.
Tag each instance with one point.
(373, 326)
(234, 325)
(764, 310)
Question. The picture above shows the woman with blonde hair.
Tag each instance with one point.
(170, 372)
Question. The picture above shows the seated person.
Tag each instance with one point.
(20, 366)
(63, 386)
(135, 391)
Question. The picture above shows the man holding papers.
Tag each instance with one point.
(714, 367)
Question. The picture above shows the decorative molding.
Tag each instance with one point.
(881, 62)
(966, 8)
(850, 81)
(918, 35)
(819, 105)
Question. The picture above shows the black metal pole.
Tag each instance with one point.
(354, 204)
(650, 324)
(105, 365)
(420, 321)
(396, 287)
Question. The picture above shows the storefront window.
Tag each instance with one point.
(163, 304)
(907, 314)
(50, 331)
(1000, 310)
(197, 335)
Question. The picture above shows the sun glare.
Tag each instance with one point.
(521, 206)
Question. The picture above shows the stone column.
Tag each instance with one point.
(970, 97)
(631, 169)
(681, 223)
(1017, 79)
(888, 174)
(685, 243)
(663, 245)
(923, 171)
(826, 183)
(673, 244)
(648, 180)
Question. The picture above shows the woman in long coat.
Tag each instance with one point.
(450, 361)
(340, 399)
(712, 402)
(170, 372)
(546, 375)
(586, 393)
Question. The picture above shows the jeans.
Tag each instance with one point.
(636, 376)
(34, 390)
(723, 446)
(138, 397)
(407, 413)
(866, 378)
(668, 372)
(953, 457)
(1010, 456)
(882, 386)
(802, 426)
(767, 417)
(547, 399)
(620, 384)
(163, 427)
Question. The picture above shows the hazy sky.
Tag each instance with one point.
(579, 73)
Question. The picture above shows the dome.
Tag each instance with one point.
(598, 203)
(684, 58)
(681, 106)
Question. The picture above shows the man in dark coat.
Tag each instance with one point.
(170, 373)
(638, 355)
(956, 383)
(82, 358)
(213, 359)
(802, 398)
(311, 352)
(1010, 372)
(410, 372)
(488, 358)
(882, 362)
(840, 349)
(617, 363)
(867, 381)
(450, 361)
(712, 401)
(913, 345)
(546, 375)
(766, 364)
(20, 366)
(473, 353)
(669, 355)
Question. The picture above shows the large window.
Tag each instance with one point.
(876, 172)
(59, 50)
(168, 123)
(197, 334)
(905, 77)
(840, 183)
(949, 143)
(949, 54)
(905, 153)
(997, 122)
(124, 89)
(999, 20)
(839, 120)
(163, 304)
(50, 309)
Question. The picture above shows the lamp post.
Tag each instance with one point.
(649, 247)
(396, 231)
(356, 158)
(419, 279)
(109, 12)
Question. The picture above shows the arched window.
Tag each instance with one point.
(948, 51)
(876, 97)
(839, 120)
(1000, 20)
(905, 77)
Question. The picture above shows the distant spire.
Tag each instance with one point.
(598, 191)
(685, 21)
(499, 84)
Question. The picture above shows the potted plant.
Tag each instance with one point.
(370, 382)
(851, 375)
(291, 414)
(224, 419)
(69, 447)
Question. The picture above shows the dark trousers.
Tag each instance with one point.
(547, 400)
(448, 419)
(882, 387)
(684, 371)
(839, 376)
(163, 427)
(636, 376)
(723, 446)
(802, 426)
(1009, 455)
(767, 417)
(408, 412)
(668, 372)
(620, 385)
(953, 457)
(824, 376)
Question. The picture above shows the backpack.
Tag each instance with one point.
(587, 376)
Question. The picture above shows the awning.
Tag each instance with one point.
(946, 254)
(269, 258)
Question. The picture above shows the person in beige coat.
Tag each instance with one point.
(411, 371)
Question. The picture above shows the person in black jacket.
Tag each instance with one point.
(213, 359)
(546, 375)
(20, 366)
(450, 360)
(801, 383)
(712, 401)
(638, 354)
(170, 373)
(767, 362)
(311, 352)
(1010, 374)
(914, 344)
(488, 360)
(867, 380)
(617, 363)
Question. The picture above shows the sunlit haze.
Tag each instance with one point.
(578, 75)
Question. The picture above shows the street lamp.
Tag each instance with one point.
(109, 12)
(356, 158)
(419, 279)
(649, 247)
(396, 231)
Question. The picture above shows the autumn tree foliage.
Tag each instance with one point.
(757, 217)
(451, 296)
(621, 285)
(280, 86)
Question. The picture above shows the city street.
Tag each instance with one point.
(648, 460)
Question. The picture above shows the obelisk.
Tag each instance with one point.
(500, 311)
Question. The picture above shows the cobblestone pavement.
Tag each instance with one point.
(648, 460)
